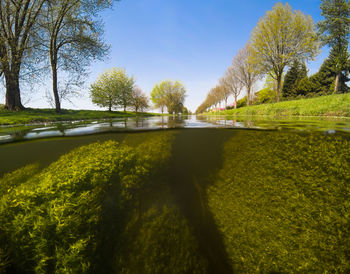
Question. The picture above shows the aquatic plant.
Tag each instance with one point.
(60, 219)
(281, 201)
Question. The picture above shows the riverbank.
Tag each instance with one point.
(49, 115)
(337, 105)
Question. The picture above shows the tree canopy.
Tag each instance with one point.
(334, 30)
(281, 37)
(112, 89)
(170, 94)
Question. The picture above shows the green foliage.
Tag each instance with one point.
(295, 31)
(306, 86)
(169, 94)
(323, 81)
(158, 97)
(87, 212)
(282, 202)
(295, 74)
(160, 241)
(331, 105)
(264, 96)
(242, 102)
(112, 89)
(334, 31)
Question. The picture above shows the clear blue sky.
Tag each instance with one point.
(193, 41)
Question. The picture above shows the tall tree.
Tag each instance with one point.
(280, 37)
(158, 97)
(175, 96)
(73, 38)
(225, 89)
(139, 100)
(232, 83)
(17, 22)
(247, 72)
(294, 75)
(334, 31)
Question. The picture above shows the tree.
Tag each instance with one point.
(232, 82)
(170, 94)
(281, 37)
(295, 74)
(112, 89)
(139, 100)
(158, 97)
(225, 89)
(73, 38)
(334, 31)
(17, 22)
(323, 81)
(175, 96)
(247, 72)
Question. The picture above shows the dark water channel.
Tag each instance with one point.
(176, 195)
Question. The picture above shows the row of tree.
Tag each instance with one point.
(115, 89)
(282, 39)
(63, 34)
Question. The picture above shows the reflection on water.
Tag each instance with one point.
(198, 200)
(17, 133)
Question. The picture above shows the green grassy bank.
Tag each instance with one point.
(49, 115)
(331, 105)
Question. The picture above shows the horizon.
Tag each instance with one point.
(177, 40)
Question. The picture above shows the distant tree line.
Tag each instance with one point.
(282, 39)
(115, 89)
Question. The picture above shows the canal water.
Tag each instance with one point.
(176, 195)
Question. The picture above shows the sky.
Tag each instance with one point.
(193, 41)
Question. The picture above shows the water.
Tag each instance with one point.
(174, 195)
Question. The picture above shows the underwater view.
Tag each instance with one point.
(176, 195)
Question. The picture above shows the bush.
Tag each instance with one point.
(264, 96)
(242, 102)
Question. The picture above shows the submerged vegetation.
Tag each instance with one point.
(85, 213)
(282, 202)
(270, 202)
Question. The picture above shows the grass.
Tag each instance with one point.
(49, 115)
(330, 105)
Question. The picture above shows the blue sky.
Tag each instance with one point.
(193, 41)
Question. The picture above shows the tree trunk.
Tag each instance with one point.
(54, 83)
(248, 95)
(124, 108)
(279, 87)
(110, 106)
(13, 94)
(337, 83)
(235, 101)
